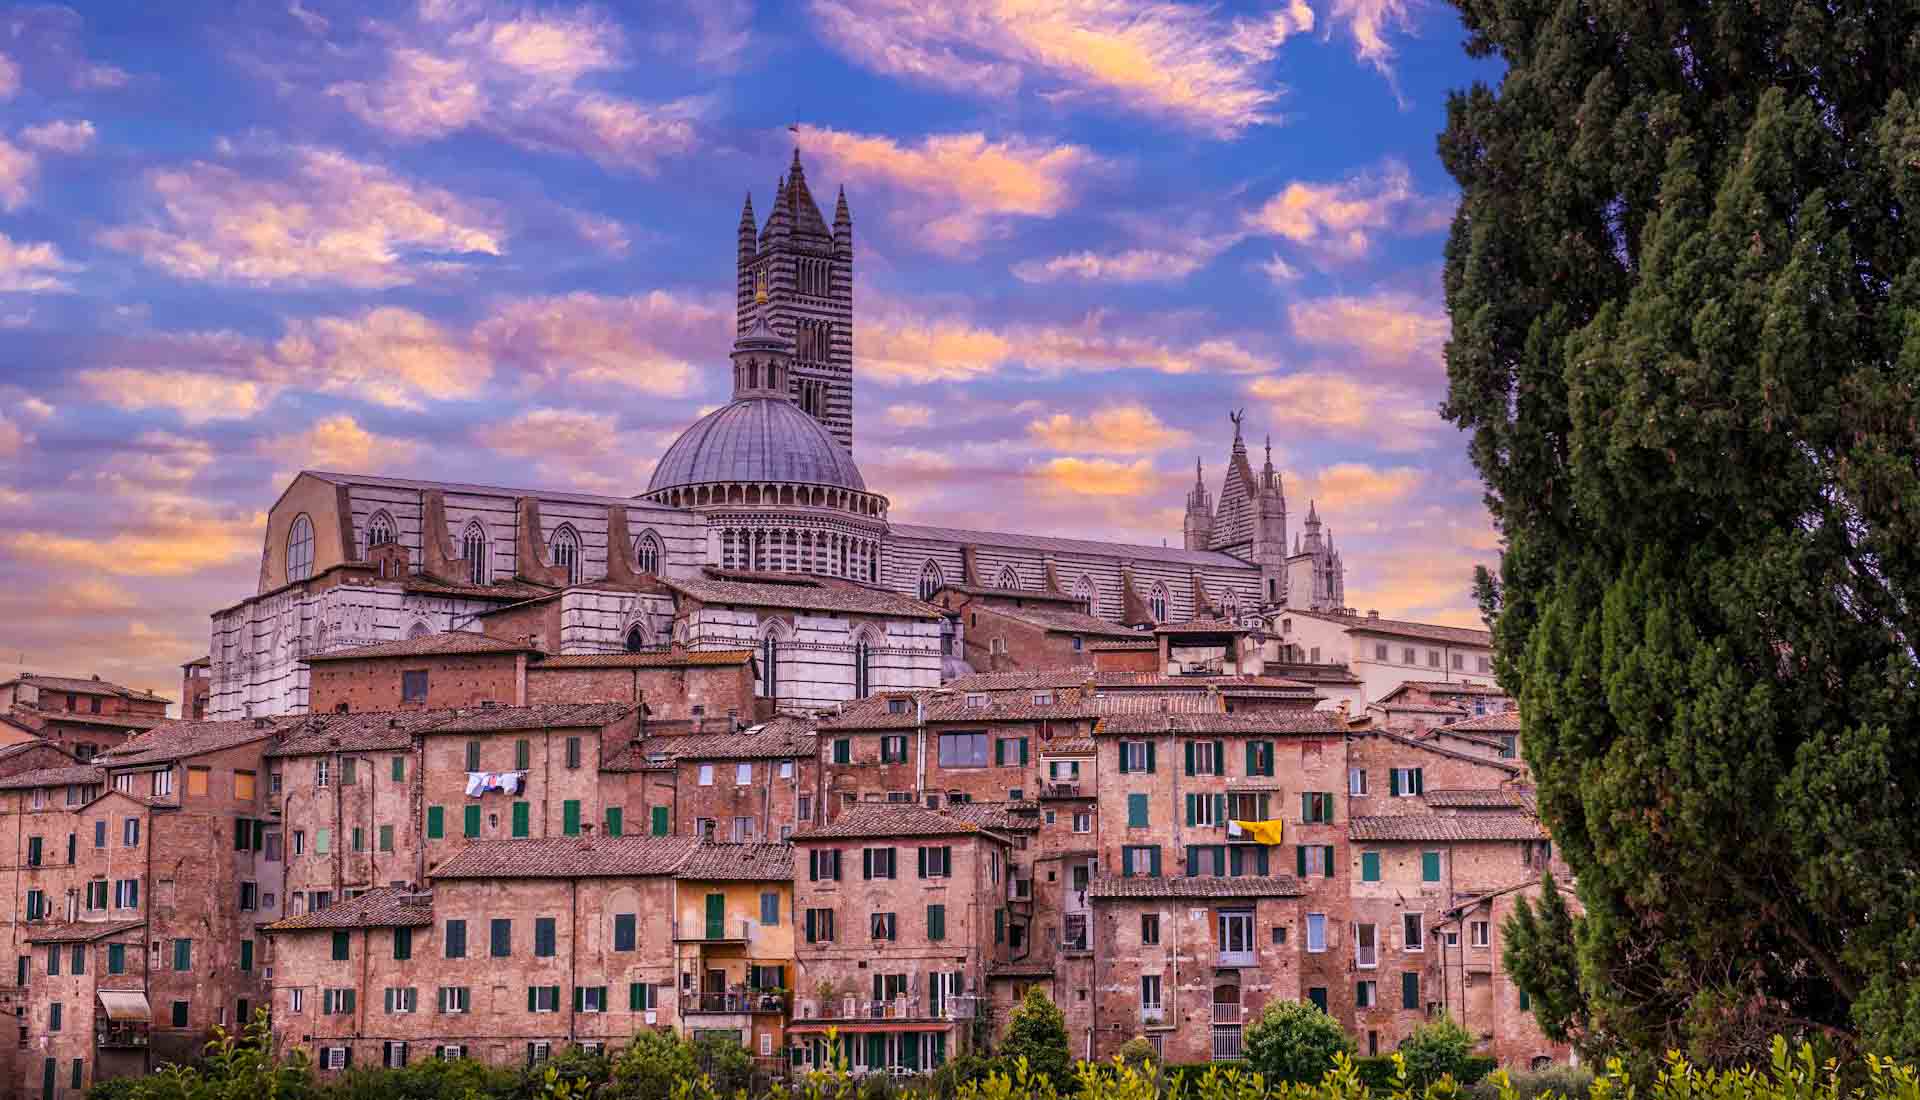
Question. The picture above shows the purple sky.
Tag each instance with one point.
(494, 242)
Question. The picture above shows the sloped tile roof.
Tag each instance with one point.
(85, 686)
(1420, 708)
(1112, 551)
(884, 819)
(53, 777)
(1504, 722)
(805, 593)
(716, 862)
(1208, 625)
(1011, 593)
(36, 719)
(874, 713)
(1427, 745)
(512, 591)
(1446, 827)
(1507, 799)
(1130, 645)
(454, 643)
(1197, 886)
(1059, 620)
(176, 740)
(568, 857)
(1001, 817)
(1401, 628)
(380, 907)
(1068, 746)
(1444, 687)
(754, 743)
(1023, 679)
(674, 658)
(363, 731)
(537, 716)
(1312, 673)
(82, 931)
(1246, 723)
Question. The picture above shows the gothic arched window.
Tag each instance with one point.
(1008, 578)
(564, 550)
(862, 668)
(646, 552)
(1157, 602)
(419, 630)
(1083, 590)
(379, 529)
(770, 662)
(473, 547)
(300, 549)
(636, 638)
(1230, 604)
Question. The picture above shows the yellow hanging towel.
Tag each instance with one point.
(1260, 832)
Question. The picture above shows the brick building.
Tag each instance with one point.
(904, 914)
(756, 784)
(733, 942)
(83, 716)
(1474, 986)
(196, 683)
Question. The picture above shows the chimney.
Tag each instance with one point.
(393, 721)
(1373, 614)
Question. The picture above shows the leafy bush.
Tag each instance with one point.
(1037, 1031)
(1295, 1042)
(969, 1068)
(1440, 1048)
(1564, 1081)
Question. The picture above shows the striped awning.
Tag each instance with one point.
(849, 1027)
(126, 1006)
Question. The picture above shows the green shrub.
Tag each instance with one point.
(1037, 1031)
(1440, 1048)
(1376, 1071)
(1561, 1081)
(1295, 1042)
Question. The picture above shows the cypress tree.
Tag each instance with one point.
(1684, 284)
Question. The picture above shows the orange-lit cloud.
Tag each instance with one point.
(18, 167)
(1120, 430)
(1356, 489)
(389, 356)
(1388, 327)
(338, 442)
(13, 438)
(1392, 418)
(909, 416)
(1173, 61)
(1133, 265)
(166, 536)
(328, 219)
(566, 446)
(956, 189)
(197, 396)
(1367, 21)
(1100, 477)
(647, 342)
(1340, 220)
(31, 267)
(897, 346)
(60, 136)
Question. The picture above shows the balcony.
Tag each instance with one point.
(718, 932)
(1153, 1016)
(955, 1006)
(1235, 958)
(1065, 788)
(1226, 1044)
(1226, 1013)
(737, 1003)
(120, 1036)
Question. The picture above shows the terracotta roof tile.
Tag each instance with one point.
(1401, 628)
(875, 712)
(1208, 625)
(804, 593)
(1020, 970)
(883, 819)
(1443, 687)
(1197, 886)
(1001, 817)
(1131, 645)
(1059, 620)
(85, 686)
(176, 740)
(504, 590)
(380, 907)
(41, 719)
(1505, 722)
(1419, 708)
(1454, 827)
(363, 731)
(1311, 673)
(53, 777)
(1427, 745)
(713, 862)
(568, 857)
(450, 644)
(535, 717)
(753, 743)
(1247, 723)
(674, 658)
(82, 931)
(1012, 593)
(1068, 746)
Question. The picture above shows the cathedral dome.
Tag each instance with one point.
(757, 439)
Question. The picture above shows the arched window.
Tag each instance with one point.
(636, 638)
(863, 664)
(1008, 578)
(1230, 604)
(473, 547)
(1083, 590)
(1157, 602)
(646, 552)
(379, 529)
(300, 549)
(419, 630)
(564, 551)
(770, 662)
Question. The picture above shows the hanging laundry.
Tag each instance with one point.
(478, 783)
(1260, 832)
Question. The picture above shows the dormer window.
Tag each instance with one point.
(976, 699)
(1042, 698)
(896, 706)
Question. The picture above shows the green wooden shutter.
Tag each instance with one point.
(1136, 811)
(1419, 782)
(999, 752)
(1393, 782)
(1192, 866)
(1219, 758)
(1306, 808)
(1123, 757)
(522, 819)
(716, 916)
(1219, 809)
(1150, 766)
(1300, 860)
(1327, 860)
(1156, 860)
(1429, 866)
(661, 826)
(936, 922)
(1253, 758)
(1189, 747)
(1190, 810)
(1023, 752)
(522, 754)
(613, 820)
(246, 955)
(436, 822)
(1369, 866)
(570, 817)
(1410, 989)
(399, 769)
(1261, 862)
(470, 821)
(635, 998)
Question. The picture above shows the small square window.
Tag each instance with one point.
(413, 686)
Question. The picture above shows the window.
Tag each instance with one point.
(1478, 933)
(243, 786)
(936, 862)
(473, 547)
(455, 999)
(1366, 994)
(823, 865)
(1204, 758)
(706, 775)
(403, 943)
(646, 552)
(930, 580)
(893, 747)
(249, 896)
(1157, 602)
(1369, 866)
(1083, 822)
(1140, 859)
(456, 939)
(1429, 866)
(936, 922)
(1150, 992)
(1313, 859)
(564, 550)
(1366, 946)
(743, 830)
(1316, 932)
(1137, 811)
(198, 781)
(129, 832)
(322, 772)
(1483, 665)
(543, 937)
(963, 750)
(742, 774)
(1405, 782)
(402, 999)
(590, 998)
(819, 926)
(877, 863)
(1380, 651)
(1149, 928)
(1410, 989)
(500, 938)
(413, 686)
(183, 955)
(543, 998)
(163, 783)
(1316, 807)
(300, 549)
(1413, 931)
(522, 819)
(882, 926)
(1356, 781)
(126, 893)
(1009, 752)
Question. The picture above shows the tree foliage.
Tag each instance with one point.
(1037, 1031)
(1436, 1049)
(1540, 956)
(1292, 1041)
(1684, 283)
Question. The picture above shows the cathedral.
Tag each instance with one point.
(756, 532)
